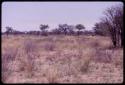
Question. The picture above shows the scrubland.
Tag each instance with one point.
(60, 59)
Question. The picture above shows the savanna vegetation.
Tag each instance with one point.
(67, 54)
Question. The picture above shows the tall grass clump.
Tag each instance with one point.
(52, 74)
(30, 49)
(50, 45)
(8, 57)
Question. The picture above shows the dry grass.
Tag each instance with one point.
(60, 59)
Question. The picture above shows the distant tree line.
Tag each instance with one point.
(62, 29)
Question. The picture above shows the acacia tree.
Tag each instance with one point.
(9, 30)
(114, 21)
(65, 28)
(79, 27)
(43, 29)
(71, 30)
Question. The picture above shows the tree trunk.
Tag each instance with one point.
(122, 40)
(78, 33)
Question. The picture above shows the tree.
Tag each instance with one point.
(65, 28)
(71, 29)
(114, 21)
(43, 29)
(79, 27)
(101, 29)
(9, 30)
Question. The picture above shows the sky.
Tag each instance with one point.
(25, 16)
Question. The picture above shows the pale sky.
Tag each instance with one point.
(25, 16)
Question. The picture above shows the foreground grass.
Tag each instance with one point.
(60, 59)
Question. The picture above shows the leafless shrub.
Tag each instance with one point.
(112, 25)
